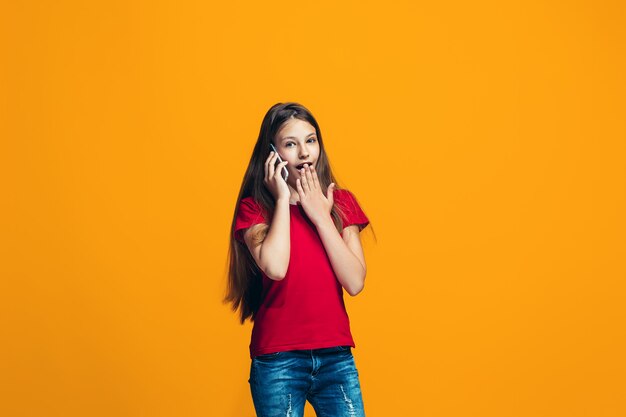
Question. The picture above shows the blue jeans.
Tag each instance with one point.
(281, 382)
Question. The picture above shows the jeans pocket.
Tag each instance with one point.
(343, 348)
(268, 356)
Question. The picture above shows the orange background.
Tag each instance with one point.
(485, 140)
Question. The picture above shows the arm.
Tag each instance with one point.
(272, 255)
(345, 254)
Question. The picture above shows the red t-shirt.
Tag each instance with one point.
(305, 310)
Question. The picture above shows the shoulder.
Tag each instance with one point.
(249, 213)
(349, 209)
(250, 202)
(344, 197)
(250, 206)
(342, 194)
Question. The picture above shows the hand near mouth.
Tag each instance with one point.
(316, 205)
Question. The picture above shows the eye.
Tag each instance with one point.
(293, 143)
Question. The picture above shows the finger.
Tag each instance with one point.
(305, 183)
(279, 169)
(329, 193)
(309, 178)
(267, 165)
(316, 183)
(272, 165)
(299, 188)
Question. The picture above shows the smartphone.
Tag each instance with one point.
(284, 173)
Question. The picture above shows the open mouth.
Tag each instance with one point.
(300, 166)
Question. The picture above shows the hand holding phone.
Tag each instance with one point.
(284, 173)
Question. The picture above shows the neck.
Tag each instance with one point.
(293, 196)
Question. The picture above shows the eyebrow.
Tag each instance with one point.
(293, 137)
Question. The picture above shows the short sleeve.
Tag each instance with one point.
(353, 214)
(248, 214)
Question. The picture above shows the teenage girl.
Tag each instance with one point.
(295, 247)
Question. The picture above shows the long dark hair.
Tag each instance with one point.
(244, 276)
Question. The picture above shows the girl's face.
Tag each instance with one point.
(297, 143)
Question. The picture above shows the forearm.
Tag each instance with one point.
(348, 268)
(276, 249)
